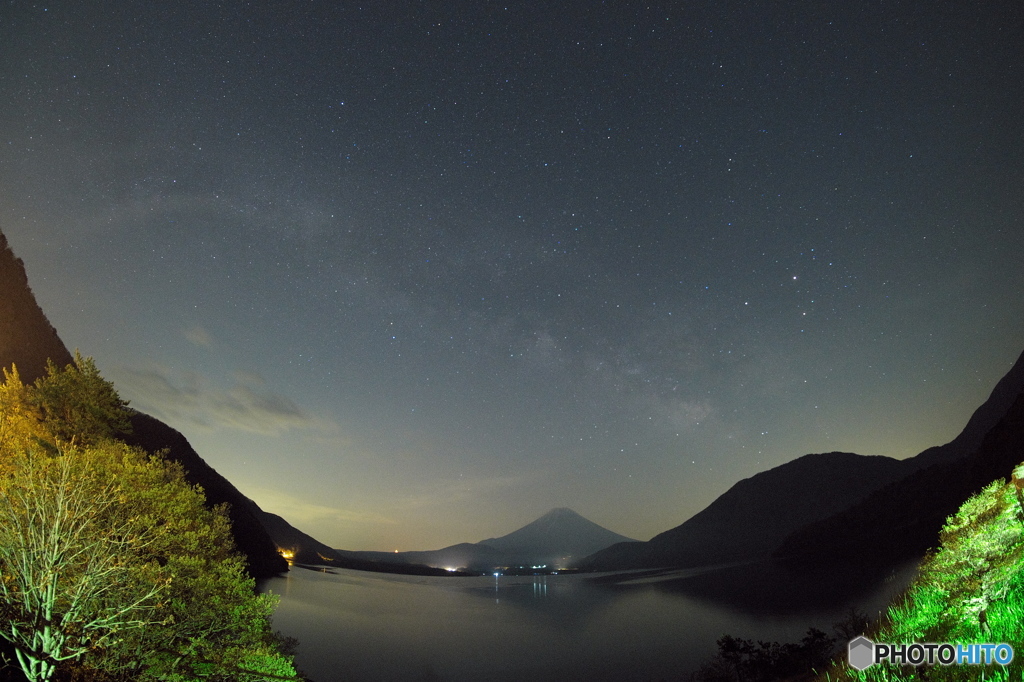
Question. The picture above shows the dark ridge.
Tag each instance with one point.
(27, 339)
(801, 504)
(902, 521)
(251, 538)
(751, 518)
(981, 422)
(304, 548)
(310, 551)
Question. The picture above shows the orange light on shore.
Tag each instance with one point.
(288, 554)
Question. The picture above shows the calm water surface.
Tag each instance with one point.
(358, 626)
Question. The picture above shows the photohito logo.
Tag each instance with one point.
(864, 653)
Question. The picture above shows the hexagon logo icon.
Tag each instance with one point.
(862, 653)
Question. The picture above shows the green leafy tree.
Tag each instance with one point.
(111, 565)
(213, 624)
(20, 421)
(69, 578)
(981, 553)
(970, 589)
(76, 403)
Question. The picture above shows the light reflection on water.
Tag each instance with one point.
(358, 626)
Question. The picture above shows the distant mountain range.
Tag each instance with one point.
(27, 339)
(902, 520)
(817, 510)
(750, 519)
(555, 540)
(842, 506)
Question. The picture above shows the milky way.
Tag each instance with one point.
(411, 275)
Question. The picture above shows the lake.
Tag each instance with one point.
(357, 626)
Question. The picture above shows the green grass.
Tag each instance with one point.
(970, 590)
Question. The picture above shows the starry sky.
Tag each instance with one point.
(414, 273)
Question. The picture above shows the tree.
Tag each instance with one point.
(110, 562)
(77, 403)
(69, 540)
(854, 624)
(740, 660)
(213, 625)
(73, 404)
(20, 421)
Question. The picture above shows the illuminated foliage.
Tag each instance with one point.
(76, 403)
(70, 579)
(111, 566)
(20, 421)
(970, 590)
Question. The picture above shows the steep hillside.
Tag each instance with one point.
(808, 499)
(903, 519)
(27, 338)
(981, 422)
(252, 539)
(749, 520)
(970, 590)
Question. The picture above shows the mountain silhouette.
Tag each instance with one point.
(750, 519)
(554, 540)
(902, 520)
(251, 538)
(981, 422)
(558, 536)
(305, 549)
(831, 504)
(818, 509)
(27, 340)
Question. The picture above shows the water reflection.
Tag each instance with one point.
(771, 588)
(365, 626)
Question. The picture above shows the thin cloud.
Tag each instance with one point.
(247, 405)
(304, 514)
(152, 391)
(682, 414)
(461, 489)
(198, 336)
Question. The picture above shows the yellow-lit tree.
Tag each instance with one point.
(110, 562)
(70, 542)
(21, 424)
(76, 403)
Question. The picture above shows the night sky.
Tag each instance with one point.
(414, 273)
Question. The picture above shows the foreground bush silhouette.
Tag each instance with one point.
(111, 567)
(741, 660)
